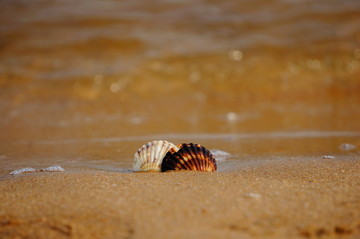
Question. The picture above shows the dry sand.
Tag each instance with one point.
(285, 198)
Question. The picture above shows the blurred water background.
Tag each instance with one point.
(90, 81)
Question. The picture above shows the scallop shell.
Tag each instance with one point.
(150, 156)
(189, 157)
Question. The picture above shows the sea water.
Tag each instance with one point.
(85, 84)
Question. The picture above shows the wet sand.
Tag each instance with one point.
(296, 197)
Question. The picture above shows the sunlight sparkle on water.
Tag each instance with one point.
(98, 79)
(236, 55)
(114, 87)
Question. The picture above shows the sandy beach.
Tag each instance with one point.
(273, 84)
(283, 198)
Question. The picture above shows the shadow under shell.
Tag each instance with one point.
(190, 156)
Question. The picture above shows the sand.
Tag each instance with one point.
(304, 197)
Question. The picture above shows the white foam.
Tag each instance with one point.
(220, 155)
(23, 170)
(347, 147)
(328, 157)
(55, 168)
(252, 195)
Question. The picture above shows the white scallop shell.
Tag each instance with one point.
(149, 157)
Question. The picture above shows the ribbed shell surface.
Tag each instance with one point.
(150, 156)
(190, 156)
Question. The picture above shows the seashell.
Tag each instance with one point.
(150, 156)
(189, 157)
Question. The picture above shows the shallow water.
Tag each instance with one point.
(244, 150)
(85, 84)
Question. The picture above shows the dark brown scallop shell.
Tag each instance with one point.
(190, 156)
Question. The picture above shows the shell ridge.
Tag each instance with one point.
(213, 159)
(199, 156)
(155, 151)
(164, 150)
(185, 160)
(207, 164)
(151, 152)
(177, 161)
(190, 163)
(211, 156)
(181, 162)
(197, 160)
